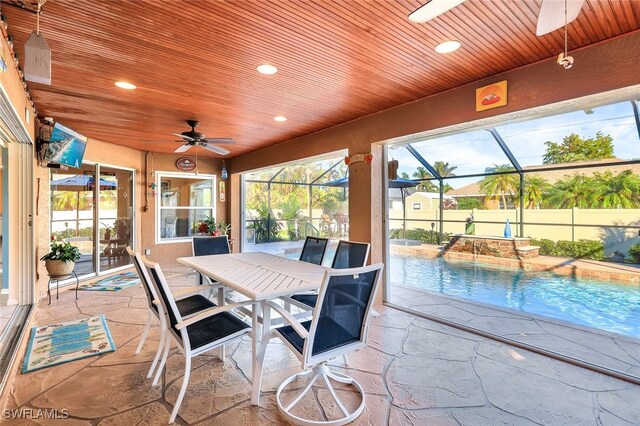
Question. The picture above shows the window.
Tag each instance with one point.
(184, 200)
(417, 206)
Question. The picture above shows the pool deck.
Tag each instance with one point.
(578, 268)
(612, 351)
(414, 372)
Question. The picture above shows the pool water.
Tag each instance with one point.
(604, 305)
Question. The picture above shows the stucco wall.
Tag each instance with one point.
(166, 254)
(598, 68)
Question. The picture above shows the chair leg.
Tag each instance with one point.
(163, 331)
(183, 388)
(321, 371)
(221, 302)
(345, 359)
(145, 333)
(165, 354)
(287, 306)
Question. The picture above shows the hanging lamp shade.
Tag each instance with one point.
(37, 59)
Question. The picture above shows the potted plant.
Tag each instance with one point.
(223, 228)
(208, 225)
(107, 231)
(61, 259)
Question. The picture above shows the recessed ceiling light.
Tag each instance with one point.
(125, 85)
(280, 118)
(267, 69)
(448, 46)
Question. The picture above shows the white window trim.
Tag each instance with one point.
(158, 221)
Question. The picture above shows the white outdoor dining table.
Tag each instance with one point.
(260, 277)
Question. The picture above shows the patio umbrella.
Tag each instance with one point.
(79, 183)
(402, 184)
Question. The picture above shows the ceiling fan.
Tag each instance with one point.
(192, 138)
(550, 18)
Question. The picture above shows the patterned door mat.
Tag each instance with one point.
(55, 344)
(113, 283)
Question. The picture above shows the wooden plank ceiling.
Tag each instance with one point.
(337, 60)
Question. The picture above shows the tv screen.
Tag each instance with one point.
(66, 146)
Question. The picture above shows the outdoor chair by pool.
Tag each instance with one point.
(188, 302)
(205, 246)
(194, 334)
(313, 250)
(339, 326)
(349, 254)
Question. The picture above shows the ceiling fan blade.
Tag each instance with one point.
(551, 16)
(186, 138)
(183, 148)
(432, 9)
(216, 149)
(220, 140)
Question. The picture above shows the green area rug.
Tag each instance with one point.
(113, 283)
(55, 344)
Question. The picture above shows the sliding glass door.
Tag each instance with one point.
(72, 212)
(101, 230)
(115, 216)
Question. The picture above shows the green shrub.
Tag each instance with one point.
(582, 249)
(634, 252)
(423, 235)
(547, 247)
(470, 203)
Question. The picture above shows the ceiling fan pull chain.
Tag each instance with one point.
(564, 59)
(565, 28)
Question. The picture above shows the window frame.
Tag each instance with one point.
(164, 175)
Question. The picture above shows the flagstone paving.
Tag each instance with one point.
(414, 372)
(609, 350)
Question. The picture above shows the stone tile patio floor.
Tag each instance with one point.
(415, 372)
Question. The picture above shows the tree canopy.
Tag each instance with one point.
(500, 185)
(574, 148)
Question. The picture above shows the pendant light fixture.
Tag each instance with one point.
(37, 55)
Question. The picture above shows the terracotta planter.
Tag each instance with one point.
(59, 267)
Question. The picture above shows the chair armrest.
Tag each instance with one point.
(296, 303)
(183, 293)
(286, 315)
(199, 316)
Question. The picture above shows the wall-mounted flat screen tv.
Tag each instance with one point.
(66, 146)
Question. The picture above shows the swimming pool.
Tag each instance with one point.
(604, 305)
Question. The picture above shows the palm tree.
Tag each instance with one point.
(443, 169)
(576, 191)
(500, 184)
(535, 188)
(621, 191)
(425, 185)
